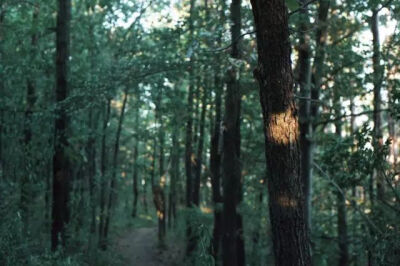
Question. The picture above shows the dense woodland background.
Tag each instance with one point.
(117, 115)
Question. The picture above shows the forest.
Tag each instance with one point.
(199, 132)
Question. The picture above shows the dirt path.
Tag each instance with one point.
(139, 248)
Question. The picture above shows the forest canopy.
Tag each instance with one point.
(199, 132)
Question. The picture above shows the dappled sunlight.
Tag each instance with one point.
(204, 209)
(145, 217)
(283, 128)
(287, 202)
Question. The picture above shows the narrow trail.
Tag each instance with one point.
(139, 247)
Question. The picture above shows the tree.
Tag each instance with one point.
(274, 74)
(232, 235)
(61, 163)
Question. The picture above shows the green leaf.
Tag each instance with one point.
(292, 4)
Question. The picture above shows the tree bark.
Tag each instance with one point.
(215, 151)
(174, 177)
(136, 156)
(61, 162)
(199, 157)
(232, 237)
(158, 190)
(318, 66)
(30, 103)
(305, 122)
(189, 161)
(290, 236)
(103, 183)
(341, 200)
(377, 115)
(113, 185)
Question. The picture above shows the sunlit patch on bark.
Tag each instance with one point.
(287, 202)
(160, 214)
(283, 128)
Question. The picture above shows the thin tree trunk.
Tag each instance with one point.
(341, 200)
(318, 67)
(196, 120)
(135, 157)
(103, 183)
(215, 168)
(113, 185)
(30, 102)
(377, 116)
(215, 151)
(91, 145)
(290, 236)
(2, 17)
(305, 123)
(91, 149)
(342, 231)
(159, 191)
(174, 177)
(232, 237)
(189, 165)
(199, 159)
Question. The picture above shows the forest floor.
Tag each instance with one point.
(139, 247)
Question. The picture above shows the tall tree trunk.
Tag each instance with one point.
(136, 156)
(342, 231)
(377, 115)
(91, 148)
(189, 161)
(305, 123)
(91, 145)
(159, 194)
(103, 182)
(174, 177)
(30, 103)
(196, 120)
(319, 59)
(61, 163)
(215, 168)
(290, 236)
(215, 150)
(341, 200)
(199, 157)
(392, 128)
(232, 237)
(113, 185)
(2, 16)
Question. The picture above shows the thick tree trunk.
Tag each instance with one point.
(305, 122)
(290, 235)
(232, 237)
(113, 185)
(61, 163)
